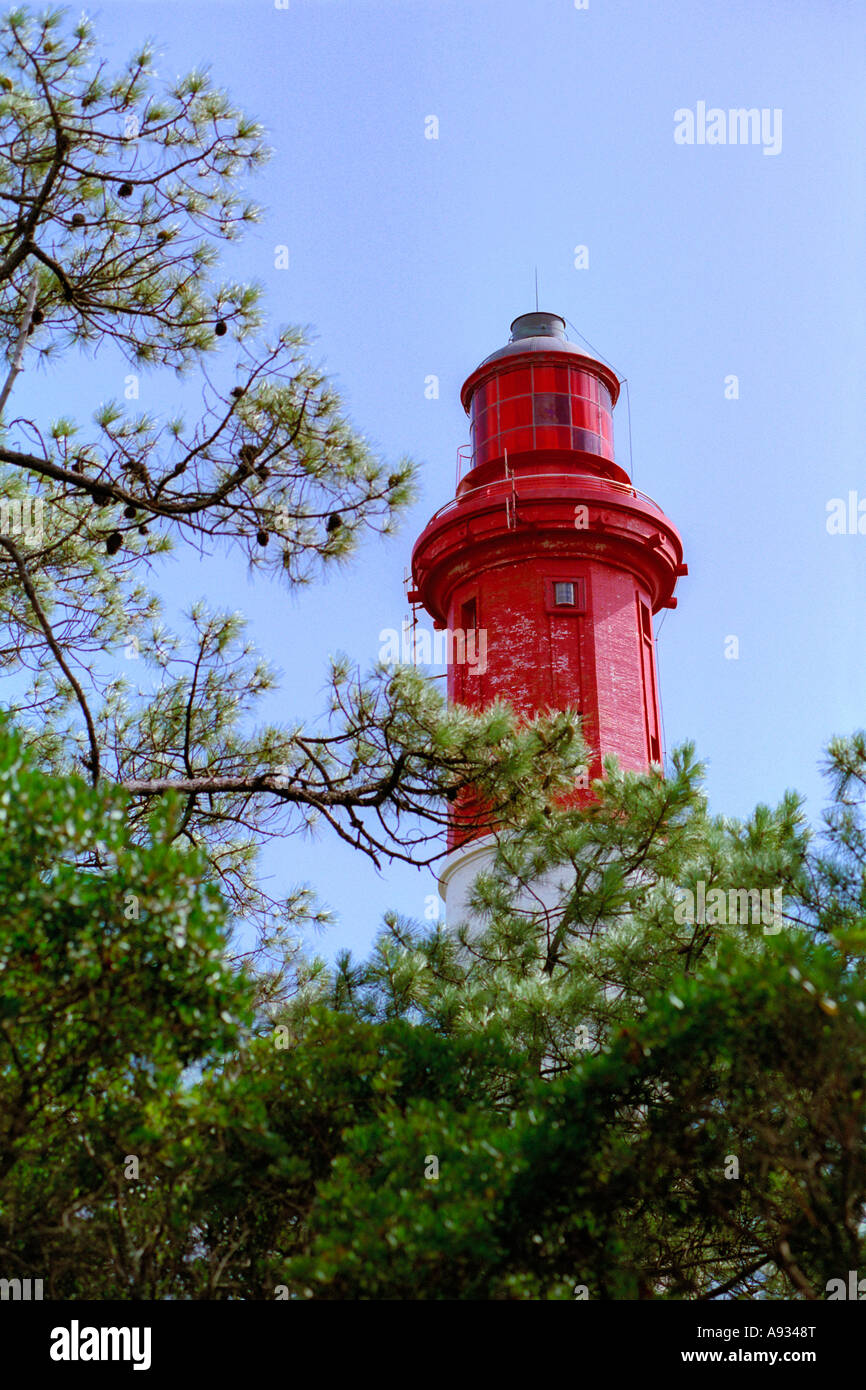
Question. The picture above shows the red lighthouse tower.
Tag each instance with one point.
(549, 551)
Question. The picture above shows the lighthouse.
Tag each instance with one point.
(550, 553)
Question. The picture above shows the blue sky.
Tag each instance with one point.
(411, 256)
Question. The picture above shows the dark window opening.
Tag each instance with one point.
(563, 594)
(551, 409)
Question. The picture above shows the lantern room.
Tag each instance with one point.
(544, 396)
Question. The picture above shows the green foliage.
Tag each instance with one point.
(113, 982)
(668, 1053)
(704, 1139)
(618, 1177)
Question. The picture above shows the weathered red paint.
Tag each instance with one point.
(557, 508)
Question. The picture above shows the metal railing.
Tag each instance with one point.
(589, 482)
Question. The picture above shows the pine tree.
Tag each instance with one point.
(695, 1125)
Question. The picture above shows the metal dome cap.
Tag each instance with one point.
(538, 332)
(538, 325)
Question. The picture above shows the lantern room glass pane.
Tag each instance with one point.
(551, 409)
(552, 437)
(551, 379)
(585, 414)
(483, 451)
(487, 423)
(584, 385)
(517, 411)
(516, 383)
(588, 441)
(518, 441)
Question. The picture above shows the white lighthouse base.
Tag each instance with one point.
(545, 897)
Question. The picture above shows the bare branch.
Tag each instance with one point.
(18, 353)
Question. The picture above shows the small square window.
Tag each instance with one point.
(565, 597)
